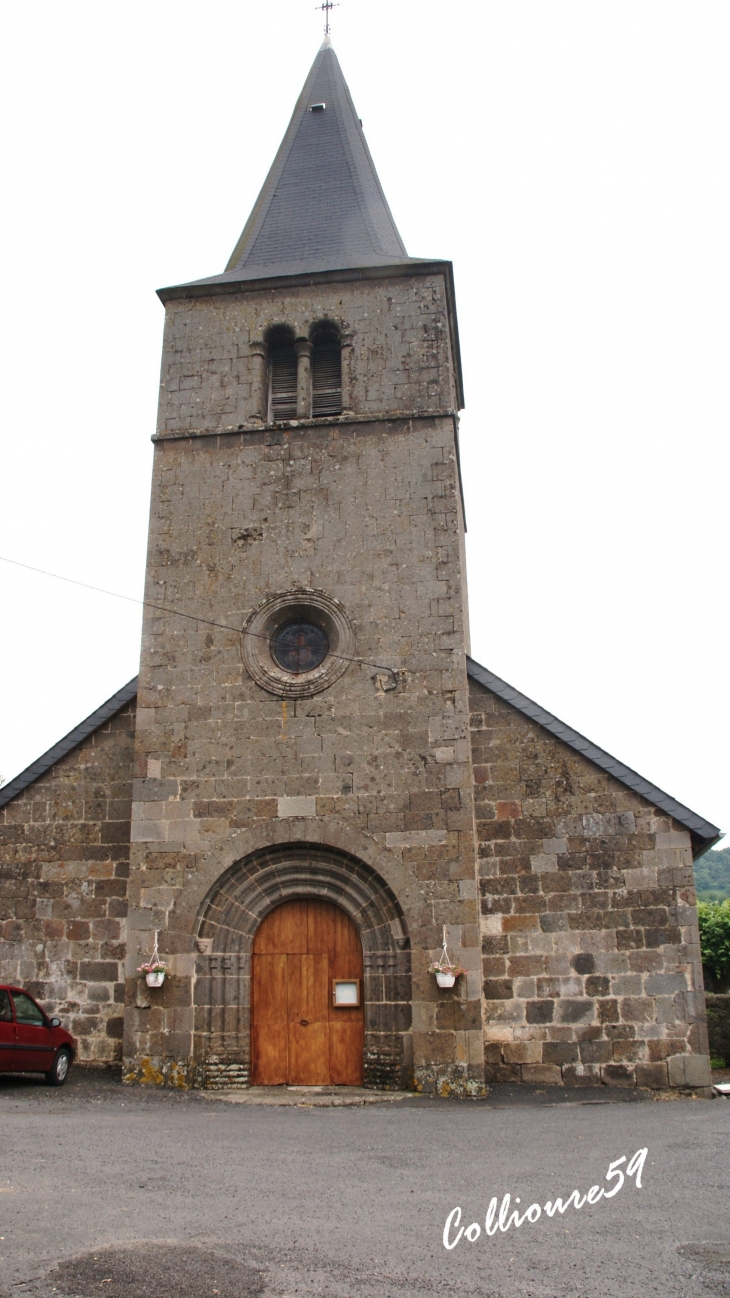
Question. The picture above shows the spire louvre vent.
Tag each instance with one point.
(317, 108)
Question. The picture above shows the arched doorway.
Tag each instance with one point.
(307, 1024)
(229, 920)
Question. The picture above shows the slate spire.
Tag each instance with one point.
(322, 206)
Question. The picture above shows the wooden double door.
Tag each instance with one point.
(299, 1035)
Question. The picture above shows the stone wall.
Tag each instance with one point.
(400, 361)
(718, 1026)
(64, 863)
(217, 756)
(368, 511)
(590, 944)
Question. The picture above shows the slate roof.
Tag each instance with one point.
(703, 833)
(322, 206)
(68, 743)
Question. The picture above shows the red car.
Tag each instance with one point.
(30, 1042)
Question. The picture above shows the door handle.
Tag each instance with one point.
(304, 1023)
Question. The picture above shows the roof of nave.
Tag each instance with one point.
(703, 833)
(70, 741)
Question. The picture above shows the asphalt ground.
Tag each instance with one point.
(121, 1192)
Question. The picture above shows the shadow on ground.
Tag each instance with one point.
(99, 1085)
(160, 1269)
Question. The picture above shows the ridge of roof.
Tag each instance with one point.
(702, 831)
(322, 206)
(68, 743)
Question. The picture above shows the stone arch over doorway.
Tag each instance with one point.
(227, 923)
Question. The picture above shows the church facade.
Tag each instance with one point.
(311, 778)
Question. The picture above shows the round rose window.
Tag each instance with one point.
(299, 647)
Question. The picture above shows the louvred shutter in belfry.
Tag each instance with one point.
(326, 380)
(283, 383)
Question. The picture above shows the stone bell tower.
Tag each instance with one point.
(302, 724)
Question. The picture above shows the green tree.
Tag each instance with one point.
(712, 875)
(714, 921)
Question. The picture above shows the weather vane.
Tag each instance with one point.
(326, 7)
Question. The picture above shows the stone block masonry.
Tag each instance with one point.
(352, 763)
(64, 864)
(718, 1024)
(400, 362)
(389, 786)
(590, 947)
(367, 510)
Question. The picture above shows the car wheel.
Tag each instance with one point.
(58, 1072)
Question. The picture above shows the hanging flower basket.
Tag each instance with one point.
(154, 969)
(445, 970)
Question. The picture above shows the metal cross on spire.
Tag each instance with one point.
(328, 4)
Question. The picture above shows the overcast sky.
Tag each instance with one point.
(571, 158)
